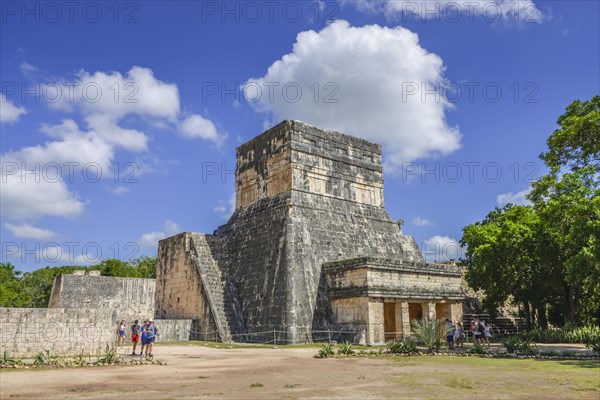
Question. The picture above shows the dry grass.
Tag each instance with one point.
(292, 373)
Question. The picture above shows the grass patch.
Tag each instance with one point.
(458, 383)
(470, 377)
(257, 385)
(291, 385)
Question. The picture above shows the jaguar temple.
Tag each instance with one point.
(310, 248)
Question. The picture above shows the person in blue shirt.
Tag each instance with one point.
(143, 331)
(150, 335)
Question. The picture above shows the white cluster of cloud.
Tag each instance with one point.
(442, 248)
(28, 231)
(518, 11)
(519, 198)
(195, 126)
(150, 239)
(225, 209)
(103, 101)
(418, 221)
(371, 67)
(9, 112)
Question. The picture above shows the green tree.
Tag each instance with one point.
(567, 201)
(576, 144)
(114, 267)
(547, 257)
(502, 259)
(145, 266)
(11, 288)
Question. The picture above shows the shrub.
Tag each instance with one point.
(428, 331)
(404, 346)
(594, 344)
(326, 350)
(7, 360)
(346, 349)
(511, 344)
(527, 347)
(477, 349)
(565, 334)
(521, 344)
(42, 358)
(110, 356)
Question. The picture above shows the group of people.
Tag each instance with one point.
(456, 335)
(147, 333)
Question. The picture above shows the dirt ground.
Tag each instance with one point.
(200, 372)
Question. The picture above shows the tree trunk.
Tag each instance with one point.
(542, 319)
(527, 312)
(568, 314)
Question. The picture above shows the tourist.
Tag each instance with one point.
(487, 332)
(144, 330)
(450, 334)
(475, 330)
(459, 335)
(151, 333)
(121, 333)
(135, 335)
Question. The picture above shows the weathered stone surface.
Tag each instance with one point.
(385, 278)
(124, 298)
(304, 196)
(25, 332)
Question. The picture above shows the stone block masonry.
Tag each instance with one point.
(304, 196)
(25, 332)
(83, 314)
(124, 298)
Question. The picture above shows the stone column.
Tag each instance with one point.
(428, 310)
(402, 318)
(398, 319)
(375, 330)
(456, 310)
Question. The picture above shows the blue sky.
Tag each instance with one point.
(127, 115)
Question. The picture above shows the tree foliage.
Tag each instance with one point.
(546, 257)
(11, 289)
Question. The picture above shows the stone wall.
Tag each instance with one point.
(393, 278)
(263, 167)
(25, 332)
(257, 263)
(124, 298)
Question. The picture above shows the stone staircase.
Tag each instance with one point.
(220, 293)
(503, 325)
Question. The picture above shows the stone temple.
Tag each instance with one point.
(310, 248)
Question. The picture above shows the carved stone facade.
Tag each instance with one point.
(379, 298)
(304, 197)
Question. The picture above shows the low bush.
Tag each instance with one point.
(326, 350)
(594, 344)
(428, 331)
(43, 358)
(565, 334)
(346, 349)
(404, 346)
(511, 344)
(477, 349)
(7, 360)
(520, 344)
